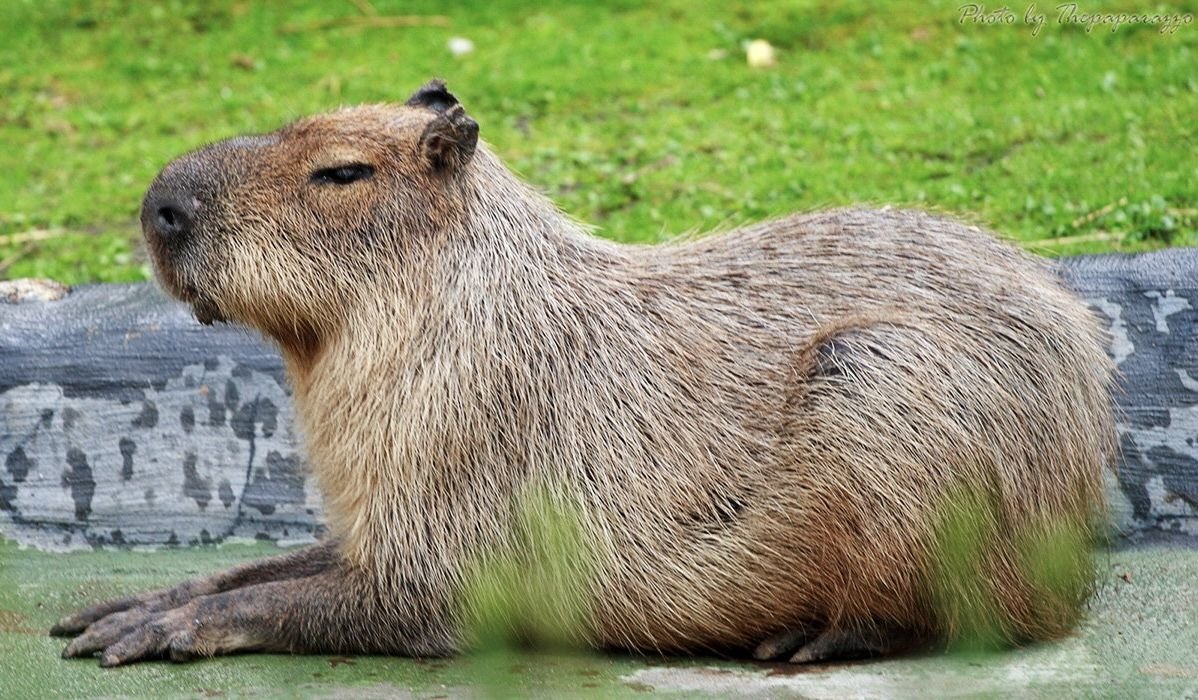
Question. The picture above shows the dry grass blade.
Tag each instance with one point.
(368, 22)
(1098, 213)
(21, 252)
(1097, 236)
(365, 8)
(37, 234)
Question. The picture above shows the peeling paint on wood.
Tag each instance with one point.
(1150, 305)
(124, 422)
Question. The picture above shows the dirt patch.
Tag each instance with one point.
(1166, 671)
(14, 622)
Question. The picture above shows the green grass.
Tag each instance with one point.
(642, 118)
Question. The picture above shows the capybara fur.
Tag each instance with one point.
(770, 437)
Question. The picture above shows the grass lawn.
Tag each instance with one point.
(640, 117)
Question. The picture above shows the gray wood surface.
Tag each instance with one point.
(125, 422)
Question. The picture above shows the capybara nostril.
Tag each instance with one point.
(169, 213)
(172, 220)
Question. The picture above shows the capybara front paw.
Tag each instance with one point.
(73, 624)
(106, 631)
(139, 635)
(154, 601)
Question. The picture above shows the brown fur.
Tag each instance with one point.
(758, 427)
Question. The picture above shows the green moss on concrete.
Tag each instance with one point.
(1140, 640)
(37, 588)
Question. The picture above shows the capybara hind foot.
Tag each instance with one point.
(806, 646)
(782, 644)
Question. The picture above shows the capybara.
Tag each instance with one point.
(770, 438)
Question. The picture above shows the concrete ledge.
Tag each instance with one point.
(125, 422)
(1138, 641)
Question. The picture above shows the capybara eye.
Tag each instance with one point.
(342, 174)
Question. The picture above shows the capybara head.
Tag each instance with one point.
(276, 230)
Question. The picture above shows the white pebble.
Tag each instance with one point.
(460, 46)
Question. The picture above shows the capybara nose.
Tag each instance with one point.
(170, 220)
(169, 215)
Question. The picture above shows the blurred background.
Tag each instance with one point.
(646, 119)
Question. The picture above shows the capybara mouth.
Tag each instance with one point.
(205, 309)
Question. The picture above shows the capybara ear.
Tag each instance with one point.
(433, 95)
(450, 138)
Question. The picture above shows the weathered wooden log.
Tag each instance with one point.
(123, 421)
(1150, 305)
